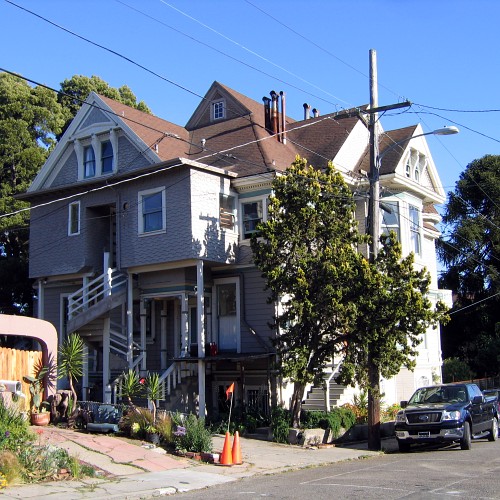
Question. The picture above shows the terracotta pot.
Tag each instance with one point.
(40, 418)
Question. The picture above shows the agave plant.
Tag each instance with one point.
(130, 386)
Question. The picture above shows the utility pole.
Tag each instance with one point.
(374, 440)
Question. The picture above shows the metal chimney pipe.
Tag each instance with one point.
(267, 113)
(315, 113)
(283, 117)
(307, 110)
(274, 113)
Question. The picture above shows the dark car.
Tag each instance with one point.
(495, 393)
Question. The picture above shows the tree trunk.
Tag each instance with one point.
(374, 442)
(296, 406)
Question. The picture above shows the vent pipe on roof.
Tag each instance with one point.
(274, 113)
(283, 120)
(267, 113)
(307, 110)
(315, 113)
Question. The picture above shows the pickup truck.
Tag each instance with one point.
(446, 413)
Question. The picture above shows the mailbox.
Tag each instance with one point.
(11, 386)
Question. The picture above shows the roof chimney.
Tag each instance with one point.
(315, 113)
(267, 113)
(283, 119)
(274, 113)
(307, 110)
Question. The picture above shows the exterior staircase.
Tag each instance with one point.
(326, 396)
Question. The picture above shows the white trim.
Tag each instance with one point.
(213, 104)
(140, 218)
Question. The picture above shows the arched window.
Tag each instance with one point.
(107, 157)
(88, 162)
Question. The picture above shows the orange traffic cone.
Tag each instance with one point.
(226, 457)
(236, 454)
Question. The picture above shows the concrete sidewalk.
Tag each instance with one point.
(134, 470)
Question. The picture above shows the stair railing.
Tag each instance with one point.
(95, 291)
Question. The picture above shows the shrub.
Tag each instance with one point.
(192, 435)
(280, 424)
(164, 427)
(14, 429)
(10, 467)
(390, 412)
(136, 421)
(336, 419)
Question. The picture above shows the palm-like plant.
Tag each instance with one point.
(153, 390)
(130, 386)
(71, 358)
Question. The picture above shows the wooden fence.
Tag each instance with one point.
(15, 364)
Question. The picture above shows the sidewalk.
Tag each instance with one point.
(133, 471)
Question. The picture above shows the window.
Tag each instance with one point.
(389, 215)
(252, 215)
(415, 229)
(226, 211)
(74, 218)
(106, 157)
(152, 214)
(416, 164)
(88, 162)
(218, 110)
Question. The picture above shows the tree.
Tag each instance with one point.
(75, 90)
(470, 253)
(393, 311)
(29, 120)
(307, 253)
(70, 363)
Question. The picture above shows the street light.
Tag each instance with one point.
(374, 184)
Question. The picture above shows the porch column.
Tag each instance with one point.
(143, 335)
(130, 320)
(163, 336)
(184, 326)
(106, 373)
(41, 300)
(201, 338)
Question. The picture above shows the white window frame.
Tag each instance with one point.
(415, 229)
(140, 221)
(71, 207)
(218, 110)
(386, 228)
(95, 142)
(227, 213)
(244, 201)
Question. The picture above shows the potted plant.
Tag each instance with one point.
(152, 435)
(38, 408)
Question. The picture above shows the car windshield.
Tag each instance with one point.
(439, 394)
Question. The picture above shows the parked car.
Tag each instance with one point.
(445, 414)
(493, 393)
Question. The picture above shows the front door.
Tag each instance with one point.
(227, 316)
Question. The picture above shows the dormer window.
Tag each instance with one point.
(218, 110)
(88, 162)
(96, 155)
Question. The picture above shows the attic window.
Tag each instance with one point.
(218, 110)
(89, 161)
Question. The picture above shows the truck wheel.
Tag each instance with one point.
(466, 441)
(404, 447)
(493, 435)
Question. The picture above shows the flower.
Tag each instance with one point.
(142, 381)
(180, 431)
(7, 434)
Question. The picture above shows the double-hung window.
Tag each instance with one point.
(252, 215)
(415, 229)
(389, 216)
(226, 215)
(88, 162)
(152, 211)
(74, 218)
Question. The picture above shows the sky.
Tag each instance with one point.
(443, 56)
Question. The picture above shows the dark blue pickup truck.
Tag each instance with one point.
(445, 414)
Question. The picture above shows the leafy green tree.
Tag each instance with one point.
(470, 252)
(130, 386)
(456, 370)
(29, 120)
(76, 89)
(393, 312)
(307, 253)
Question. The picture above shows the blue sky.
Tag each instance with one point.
(438, 54)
